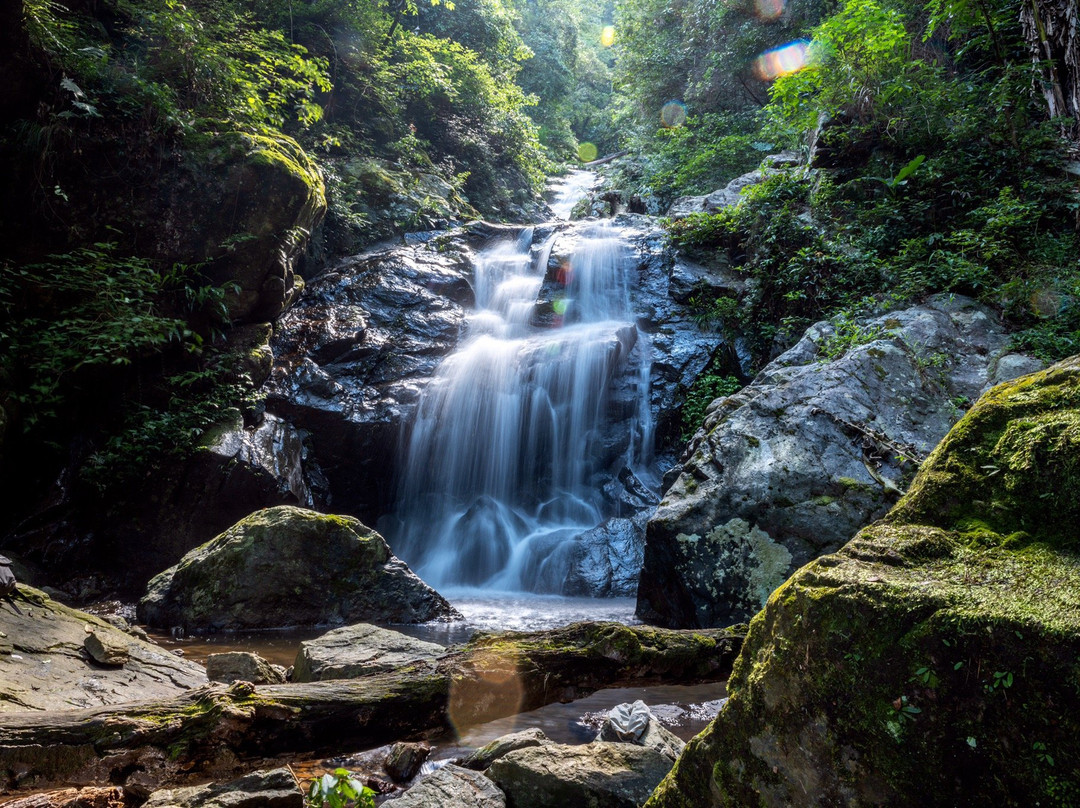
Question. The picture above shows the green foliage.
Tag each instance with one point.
(87, 310)
(340, 789)
(847, 333)
(706, 388)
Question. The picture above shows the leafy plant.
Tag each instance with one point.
(706, 388)
(339, 789)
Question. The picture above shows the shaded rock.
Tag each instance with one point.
(45, 663)
(404, 760)
(794, 464)
(262, 789)
(242, 666)
(235, 471)
(600, 774)
(689, 279)
(453, 786)
(930, 660)
(107, 648)
(288, 566)
(486, 755)
(359, 650)
(635, 723)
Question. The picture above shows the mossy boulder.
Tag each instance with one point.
(288, 566)
(256, 199)
(935, 659)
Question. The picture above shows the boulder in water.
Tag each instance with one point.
(287, 566)
(243, 666)
(482, 758)
(404, 760)
(360, 650)
(635, 723)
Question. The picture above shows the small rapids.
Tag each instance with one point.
(498, 476)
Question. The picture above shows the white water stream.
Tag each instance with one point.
(498, 474)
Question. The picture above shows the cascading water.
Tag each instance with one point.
(498, 474)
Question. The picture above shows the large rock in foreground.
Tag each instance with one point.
(453, 786)
(934, 660)
(599, 774)
(793, 465)
(47, 660)
(288, 566)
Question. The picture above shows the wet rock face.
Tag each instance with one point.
(931, 660)
(354, 354)
(56, 658)
(793, 465)
(288, 566)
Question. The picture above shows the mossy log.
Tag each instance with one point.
(218, 730)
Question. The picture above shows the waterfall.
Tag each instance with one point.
(497, 477)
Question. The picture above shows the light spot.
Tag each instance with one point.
(586, 152)
(769, 9)
(607, 36)
(673, 113)
(780, 61)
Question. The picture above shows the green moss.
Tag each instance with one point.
(929, 662)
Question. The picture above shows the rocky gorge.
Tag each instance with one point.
(827, 438)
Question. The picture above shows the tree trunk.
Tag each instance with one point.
(216, 731)
(1052, 29)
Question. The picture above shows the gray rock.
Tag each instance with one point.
(107, 647)
(483, 757)
(453, 787)
(262, 789)
(404, 760)
(605, 561)
(288, 566)
(45, 664)
(790, 467)
(242, 666)
(599, 775)
(359, 650)
(635, 723)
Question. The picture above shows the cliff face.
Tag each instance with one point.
(933, 659)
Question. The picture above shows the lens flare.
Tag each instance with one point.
(489, 687)
(673, 113)
(607, 36)
(586, 152)
(783, 60)
(559, 306)
(769, 9)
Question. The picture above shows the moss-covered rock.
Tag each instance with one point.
(934, 660)
(289, 566)
(256, 198)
